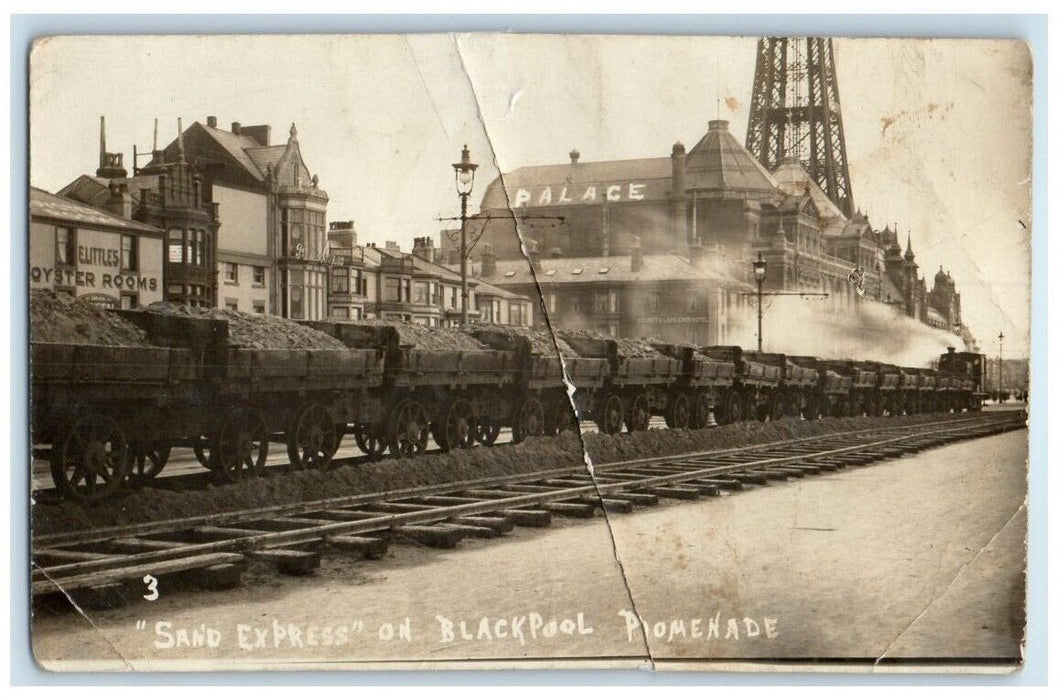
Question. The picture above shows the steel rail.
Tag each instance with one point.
(62, 576)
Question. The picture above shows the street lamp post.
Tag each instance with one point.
(760, 271)
(1000, 367)
(464, 186)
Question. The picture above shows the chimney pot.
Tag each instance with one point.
(211, 122)
(488, 261)
(574, 156)
(236, 127)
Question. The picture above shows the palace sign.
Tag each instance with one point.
(563, 195)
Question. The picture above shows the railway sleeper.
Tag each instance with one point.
(138, 545)
(615, 505)
(750, 478)
(527, 517)
(776, 474)
(475, 531)
(571, 509)
(293, 562)
(703, 487)
(727, 484)
(676, 492)
(432, 535)
(211, 533)
(638, 498)
(369, 547)
(500, 524)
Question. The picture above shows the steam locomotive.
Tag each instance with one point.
(109, 413)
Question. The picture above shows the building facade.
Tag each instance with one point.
(716, 197)
(245, 219)
(93, 253)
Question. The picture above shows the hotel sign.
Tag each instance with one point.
(564, 195)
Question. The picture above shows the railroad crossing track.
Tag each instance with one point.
(101, 564)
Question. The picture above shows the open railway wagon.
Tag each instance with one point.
(634, 383)
(790, 397)
(540, 403)
(704, 385)
(109, 410)
(829, 396)
(961, 380)
(890, 396)
(755, 388)
(911, 380)
(864, 397)
(455, 388)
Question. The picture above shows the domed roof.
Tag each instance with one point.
(720, 162)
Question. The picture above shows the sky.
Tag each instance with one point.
(938, 132)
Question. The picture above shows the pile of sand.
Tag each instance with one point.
(62, 318)
(257, 331)
(423, 337)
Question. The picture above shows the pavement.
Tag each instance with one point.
(917, 558)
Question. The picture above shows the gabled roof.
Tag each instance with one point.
(720, 162)
(235, 145)
(47, 205)
(95, 191)
(793, 179)
(266, 156)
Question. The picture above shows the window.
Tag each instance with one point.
(175, 289)
(200, 254)
(231, 304)
(340, 312)
(487, 315)
(129, 301)
(356, 313)
(258, 275)
(176, 246)
(516, 314)
(65, 246)
(258, 306)
(339, 280)
(391, 290)
(231, 273)
(130, 258)
(422, 292)
(552, 302)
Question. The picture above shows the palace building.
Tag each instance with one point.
(679, 233)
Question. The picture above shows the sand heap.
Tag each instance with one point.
(256, 331)
(62, 318)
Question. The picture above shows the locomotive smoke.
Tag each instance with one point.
(826, 328)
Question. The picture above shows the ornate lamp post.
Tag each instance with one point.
(1000, 367)
(760, 272)
(464, 186)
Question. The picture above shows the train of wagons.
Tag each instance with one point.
(112, 414)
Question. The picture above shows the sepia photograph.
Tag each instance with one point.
(528, 351)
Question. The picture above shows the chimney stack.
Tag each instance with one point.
(423, 248)
(679, 191)
(261, 133)
(120, 201)
(236, 128)
(211, 122)
(574, 156)
(488, 261)
(392, 246)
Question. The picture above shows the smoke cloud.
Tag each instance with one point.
(833, 329)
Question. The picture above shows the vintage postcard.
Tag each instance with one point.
(529, 351)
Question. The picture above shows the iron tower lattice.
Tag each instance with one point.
(796, 112)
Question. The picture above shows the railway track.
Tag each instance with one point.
(100, 565)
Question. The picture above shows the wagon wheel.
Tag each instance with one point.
(638, 417)
(201, 447)
(734, 407)
(408, 429)
(776, 405)
(529, 420)
(368, 439)
(874, 405)
(609, 414)
(898, 405)
(813, 405)
(678, 412)
(563, 419)
(311, 438)
(146, 460)
(240, 445)
(793, 404)
(90, 460)
(699, 415)
(456, 426)
(486, 431)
